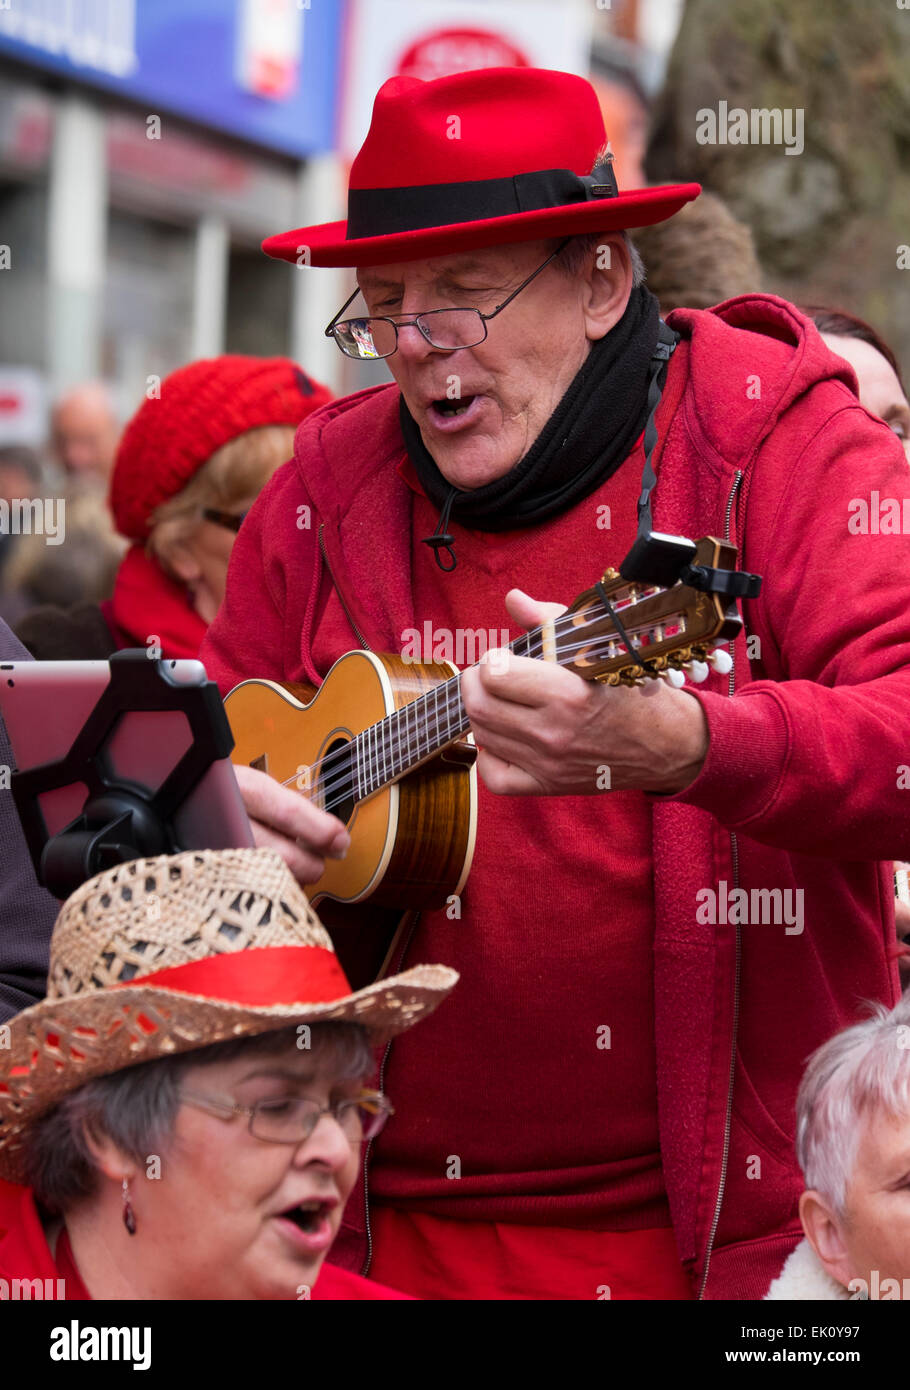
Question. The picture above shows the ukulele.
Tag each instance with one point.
(385, 744)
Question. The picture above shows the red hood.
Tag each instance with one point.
(793, 358)
(357, 491)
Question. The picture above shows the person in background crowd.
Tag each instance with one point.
(256, 1109)
(881, 385)
(615, 78)
(70, 556)
(27, 910)
(20, 478)
(881, 390)
(700, 257)
(190, 464)
(84, 432)
(853, 1142)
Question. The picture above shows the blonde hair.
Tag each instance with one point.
(236, 472)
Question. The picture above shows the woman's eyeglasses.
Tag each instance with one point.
(290, 1120)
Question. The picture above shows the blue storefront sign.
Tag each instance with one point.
(263, 70)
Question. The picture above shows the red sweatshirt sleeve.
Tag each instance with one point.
(810, 760)
(256, 632)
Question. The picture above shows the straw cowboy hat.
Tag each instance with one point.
(160, 956)
(478, 159)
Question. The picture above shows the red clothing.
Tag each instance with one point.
(790, 795)
(147, 603)
(445, 1259)
(602, 876)
(25, 1254)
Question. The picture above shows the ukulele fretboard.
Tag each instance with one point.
(418, 731)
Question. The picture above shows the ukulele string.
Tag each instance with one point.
(421, 705)
(534, 648)
(339, 785)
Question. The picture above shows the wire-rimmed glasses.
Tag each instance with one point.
(292, 1119)
(376, 335)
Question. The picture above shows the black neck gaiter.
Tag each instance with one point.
(587, 437)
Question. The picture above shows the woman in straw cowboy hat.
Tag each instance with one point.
(161, 1111)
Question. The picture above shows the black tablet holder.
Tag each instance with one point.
(120, 819)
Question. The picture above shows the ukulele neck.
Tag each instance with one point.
(420, 730)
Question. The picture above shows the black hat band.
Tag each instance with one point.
(385, 211)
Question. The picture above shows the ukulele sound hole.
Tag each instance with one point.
(336, 786)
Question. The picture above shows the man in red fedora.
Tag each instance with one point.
(606, 1109)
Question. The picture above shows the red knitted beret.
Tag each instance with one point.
(201, 407)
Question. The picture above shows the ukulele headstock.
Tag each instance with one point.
(669, 628)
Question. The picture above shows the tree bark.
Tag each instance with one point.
(829, 221)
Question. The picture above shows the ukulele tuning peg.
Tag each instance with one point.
(697, 672)
(674, 678)
(721, 660)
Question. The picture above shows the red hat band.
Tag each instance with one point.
(256, 978)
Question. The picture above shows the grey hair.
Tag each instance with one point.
(135, 1108)
(581, 248)
(862, 1069)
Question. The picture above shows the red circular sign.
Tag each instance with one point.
(445, 51)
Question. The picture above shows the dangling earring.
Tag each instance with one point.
(129, 1220)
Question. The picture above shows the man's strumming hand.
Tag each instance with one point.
(543, 731)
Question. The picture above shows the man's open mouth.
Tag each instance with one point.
(449, 416)
(451, 408)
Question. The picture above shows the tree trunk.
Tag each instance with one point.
(830, 221)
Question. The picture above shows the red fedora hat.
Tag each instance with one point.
(478, 159)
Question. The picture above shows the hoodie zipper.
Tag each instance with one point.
(368, 1260)
(734, 855)
(347, 612)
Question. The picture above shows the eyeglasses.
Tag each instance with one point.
(447, 329)
(231, 520)
(291, 1120)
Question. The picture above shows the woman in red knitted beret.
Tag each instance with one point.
(190, 464)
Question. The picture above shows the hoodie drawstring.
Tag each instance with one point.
(441, 538)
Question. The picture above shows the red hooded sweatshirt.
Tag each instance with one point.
(762, 440)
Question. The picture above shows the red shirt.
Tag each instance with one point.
(438, 1259)
(550, 1030)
